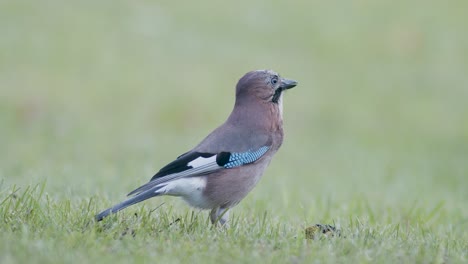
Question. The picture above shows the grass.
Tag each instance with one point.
(96, 97)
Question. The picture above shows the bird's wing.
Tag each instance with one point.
(196, 164)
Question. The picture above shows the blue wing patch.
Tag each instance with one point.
(237, 159)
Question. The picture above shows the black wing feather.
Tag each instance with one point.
(180, 164)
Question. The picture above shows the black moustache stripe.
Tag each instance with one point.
(277, 95)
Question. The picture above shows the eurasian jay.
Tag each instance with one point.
(224, 167)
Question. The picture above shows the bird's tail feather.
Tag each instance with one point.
(135, 199)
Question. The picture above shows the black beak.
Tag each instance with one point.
(287, 84)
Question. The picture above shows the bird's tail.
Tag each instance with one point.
(131, 201)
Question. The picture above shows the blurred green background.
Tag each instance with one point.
(96, 96)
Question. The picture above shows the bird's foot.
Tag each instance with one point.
(219, 216)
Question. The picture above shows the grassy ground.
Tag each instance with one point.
(95, 96)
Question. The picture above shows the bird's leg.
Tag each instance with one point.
(219, 215)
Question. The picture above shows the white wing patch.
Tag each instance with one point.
(200, 161)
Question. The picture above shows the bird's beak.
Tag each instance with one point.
(287, 84)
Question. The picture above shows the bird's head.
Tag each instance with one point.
(265, 85)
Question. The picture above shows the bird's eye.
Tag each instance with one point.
(274, 80)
